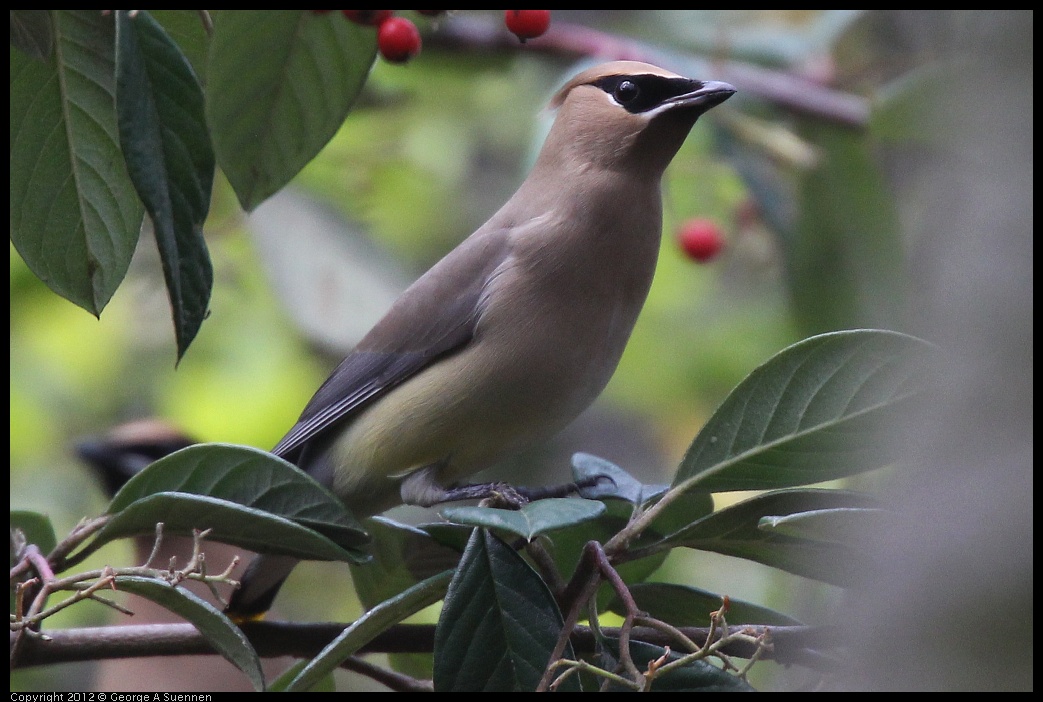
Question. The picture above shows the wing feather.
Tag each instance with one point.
(434, 317)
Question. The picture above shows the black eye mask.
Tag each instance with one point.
(641, 93)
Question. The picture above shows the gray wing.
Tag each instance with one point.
(433, 318)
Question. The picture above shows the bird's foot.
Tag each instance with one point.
(564, 490)
(507, 496)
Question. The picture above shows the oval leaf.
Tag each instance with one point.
(813, 412)
(36, 528)
(403, 555)
(231, 524)
(842, 525)
(622, 485)
(368, 626)
(75, 217)
(531, 520)
(734, 531)
(249, 477)
(499, 624)
(166, 144)
(279, 85)
(326, 683)
(226, 638)
(31, 33)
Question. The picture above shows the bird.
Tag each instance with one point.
(114, 457)
(517, 330)
(127, 449)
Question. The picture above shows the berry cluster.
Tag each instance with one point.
(398, 39)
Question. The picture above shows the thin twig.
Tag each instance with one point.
(60, 559)
(620, 587)
(155, 546)
(547, 567)
(581, 587)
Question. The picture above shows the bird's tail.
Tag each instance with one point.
(259, 586)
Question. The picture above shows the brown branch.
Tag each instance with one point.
(786, 90)
(801, 645)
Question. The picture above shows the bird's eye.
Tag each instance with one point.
(626, 91)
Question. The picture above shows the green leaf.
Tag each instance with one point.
(531, 520)
(697, 676)
(403, 555)
(231, 524)
(844, 525)
(568, 540)
(813, 412)
(249, 477)
(499, 624)
(452, 536)
(682, 511)
(187, 29)
(735, 531)
(369, 625)
(166, 144)
(566, 546)
(248, 496)
(226, 638)
(75, 217)
(279, 85)
(37, 529)
(28, 528)
(682, 605)
(31, 33)
(623, 486)
(324, 684)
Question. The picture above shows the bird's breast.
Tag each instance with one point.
(552, 324)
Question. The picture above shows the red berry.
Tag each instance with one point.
(398, 40)
(700, 239)
(527, 24)
(370, 18)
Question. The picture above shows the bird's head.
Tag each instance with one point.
(628, 115)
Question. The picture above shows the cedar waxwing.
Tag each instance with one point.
(128, 448)
(516, 331)
(116, 457)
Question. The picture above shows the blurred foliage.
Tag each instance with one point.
(426, 154)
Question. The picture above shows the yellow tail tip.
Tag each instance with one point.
(240, 619)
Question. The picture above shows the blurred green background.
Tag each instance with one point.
(827, 225)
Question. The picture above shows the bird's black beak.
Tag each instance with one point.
(709, 93)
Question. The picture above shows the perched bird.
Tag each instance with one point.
(116, 457)
(516, 331)
(128, 449)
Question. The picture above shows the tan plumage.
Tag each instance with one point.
(518, 329)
